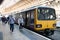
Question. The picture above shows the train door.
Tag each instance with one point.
(24, 17)
(30, 19)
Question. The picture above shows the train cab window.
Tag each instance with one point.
(46, 14)
(40, 15)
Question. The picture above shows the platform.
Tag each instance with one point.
(24, 34)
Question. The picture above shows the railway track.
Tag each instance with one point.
(49, 37)
(56, 35)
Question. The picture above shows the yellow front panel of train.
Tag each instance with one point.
(46, 24)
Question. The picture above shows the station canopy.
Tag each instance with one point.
(14, 6)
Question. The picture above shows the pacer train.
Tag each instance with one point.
(40, 19)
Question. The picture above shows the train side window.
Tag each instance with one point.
(28, 18)
(32, 17)
(32, 20)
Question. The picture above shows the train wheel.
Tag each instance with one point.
(48, 32)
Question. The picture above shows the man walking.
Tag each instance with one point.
(11, 22)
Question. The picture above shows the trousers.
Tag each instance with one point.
(12, 27)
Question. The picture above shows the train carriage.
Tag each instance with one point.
(40, 19)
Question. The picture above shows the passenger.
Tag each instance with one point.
(20, 22)
(8, 19)
(11, 23)
(3, 19)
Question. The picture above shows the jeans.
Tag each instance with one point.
(12, 27)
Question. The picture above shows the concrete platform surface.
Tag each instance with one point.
(24, 34)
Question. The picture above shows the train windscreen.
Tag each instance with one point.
(46, 14)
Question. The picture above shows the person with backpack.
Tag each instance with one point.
(11, 23)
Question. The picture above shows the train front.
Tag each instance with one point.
(45, 20)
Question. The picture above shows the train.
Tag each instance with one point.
(40, 19)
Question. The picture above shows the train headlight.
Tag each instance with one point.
(38, 26)
(54, 25)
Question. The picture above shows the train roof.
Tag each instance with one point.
(34, 7)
